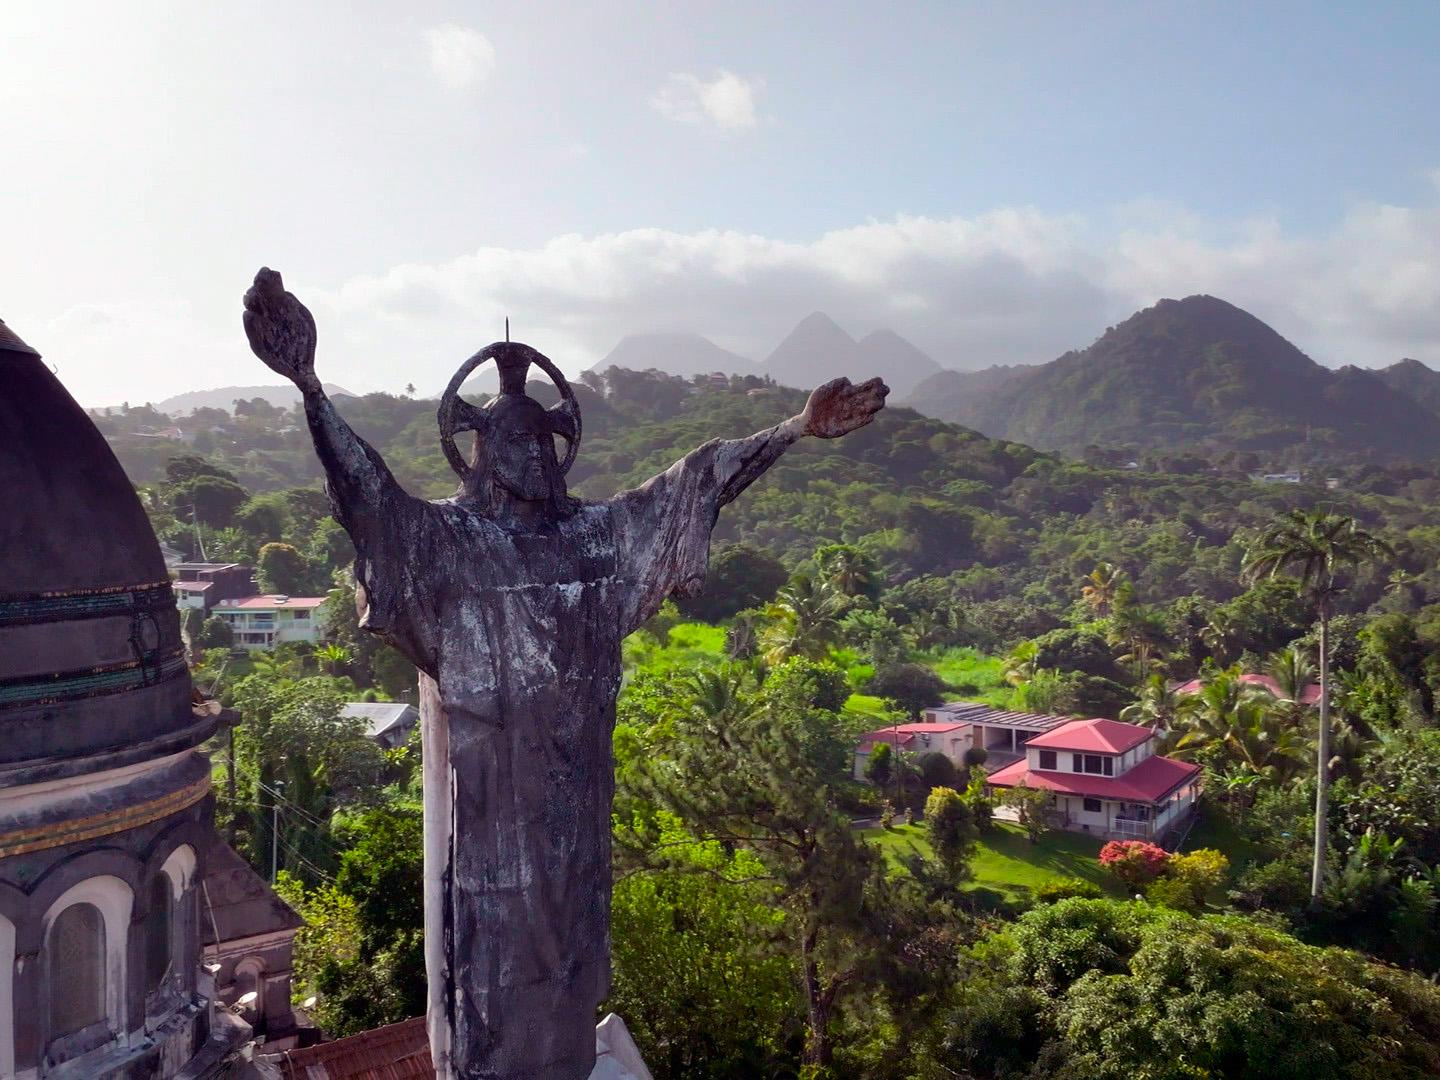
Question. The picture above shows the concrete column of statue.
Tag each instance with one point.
(512, 599)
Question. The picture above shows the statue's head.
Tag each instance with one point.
(520, 448)
(514, 455)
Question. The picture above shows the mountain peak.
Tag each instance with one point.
(1196, 373)
(675, 353)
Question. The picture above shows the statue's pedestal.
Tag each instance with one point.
(616, 1056)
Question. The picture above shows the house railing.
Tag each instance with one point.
(1130, 827)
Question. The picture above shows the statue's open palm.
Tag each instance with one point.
(280, 328)
(839, 407)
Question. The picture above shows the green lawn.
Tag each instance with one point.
(867, 705)
(1007, 862)
(973, 675)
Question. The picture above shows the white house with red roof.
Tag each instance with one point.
(1105, 778)
(262, 622)
(957, 727)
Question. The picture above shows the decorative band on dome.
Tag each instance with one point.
(72, 831)
(25, 608)
(30, 690)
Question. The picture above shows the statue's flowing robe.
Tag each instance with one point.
(517, 632)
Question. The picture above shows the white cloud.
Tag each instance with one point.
(1014, 285)
(728, 101)
(461, 58)
(1009, 286)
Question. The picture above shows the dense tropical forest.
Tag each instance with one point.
(773, 916)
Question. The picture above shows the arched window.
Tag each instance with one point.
(159, 933)
(76, 948)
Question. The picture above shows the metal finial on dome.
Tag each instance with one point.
(10, 342)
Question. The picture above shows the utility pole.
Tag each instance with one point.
(275, 833)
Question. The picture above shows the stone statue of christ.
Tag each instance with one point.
(512, 599)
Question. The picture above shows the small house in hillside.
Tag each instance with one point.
(262, 622)
(389, 722)
(1309, 696)
(957, 727)
(1105, 778)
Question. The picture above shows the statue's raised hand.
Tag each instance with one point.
(281, 330)
(838, 407)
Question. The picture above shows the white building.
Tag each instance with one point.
(1105, 778)
(262, 622)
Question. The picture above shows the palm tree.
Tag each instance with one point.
(1141, 633)
(1218, 635)
(803, 621)
(1232, 719)
(1022, 664)
(846, 569)
(1293, 673)
(1101, 587)
(1314, 547)
(333, 656)
(1157, 707)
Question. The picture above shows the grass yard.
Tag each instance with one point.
(973, 675)
(1008, 863)
(868, 705)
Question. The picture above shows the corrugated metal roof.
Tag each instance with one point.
(394, 1052)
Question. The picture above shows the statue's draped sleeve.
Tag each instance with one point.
(388, 527)
(662, 528)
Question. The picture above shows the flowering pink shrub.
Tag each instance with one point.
(1135, 862)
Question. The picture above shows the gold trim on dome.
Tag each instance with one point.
(55, 834)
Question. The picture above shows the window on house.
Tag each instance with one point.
(1097, 764)
(1092, 806)
(158, 931)
(301, 616)
(1047, 759)
(76, 954)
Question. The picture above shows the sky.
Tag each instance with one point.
(996, 182)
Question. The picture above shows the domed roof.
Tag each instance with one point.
(92, 668)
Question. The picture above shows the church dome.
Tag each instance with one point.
(92, 667)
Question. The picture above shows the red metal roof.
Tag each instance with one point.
(1309, 696)
(1151, 780)
(395, 1052)
(271, 603)
(1093, 737)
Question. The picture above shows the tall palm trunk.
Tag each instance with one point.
(1322, 773)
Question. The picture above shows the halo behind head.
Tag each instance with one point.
(513, 360)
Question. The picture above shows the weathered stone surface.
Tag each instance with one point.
(512, 599)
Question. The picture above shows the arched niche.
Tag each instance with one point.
(84, 932)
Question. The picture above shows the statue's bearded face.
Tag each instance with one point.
(522, 448)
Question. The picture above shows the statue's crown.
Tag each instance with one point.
(513, 368)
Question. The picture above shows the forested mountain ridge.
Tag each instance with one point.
(923, 496)
(1416, 381)
(1192, 374)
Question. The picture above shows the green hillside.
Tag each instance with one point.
(1193, 374)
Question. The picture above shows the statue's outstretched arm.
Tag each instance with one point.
(282, 334)
(834, 409)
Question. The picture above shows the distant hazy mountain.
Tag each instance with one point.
(224, 397)
(948, 392)
(818, 350)
(1421, 384)
(675, 354)
(1197, 373)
